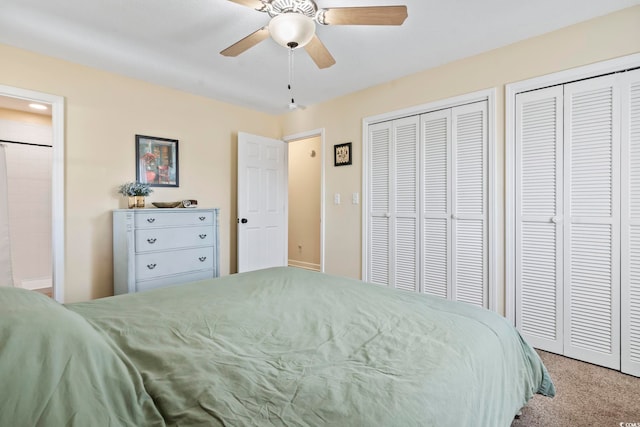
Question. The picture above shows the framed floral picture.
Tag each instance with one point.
(157, 161)
(342, 154)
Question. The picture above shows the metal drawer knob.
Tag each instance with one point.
(202, 218)
(151, 220)
(151, 266)
(202, 236)
(202, 258)
(151, 240)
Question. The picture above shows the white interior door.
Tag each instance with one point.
(404, 213)
(630, 223)
(538, 237)
(592, 221)
(469, 207)
(262, 202)
(436, 201)
(379, 224)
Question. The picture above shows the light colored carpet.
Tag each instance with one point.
(586, 395)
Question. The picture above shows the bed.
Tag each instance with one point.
(276, 347)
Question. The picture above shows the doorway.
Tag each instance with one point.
(306, 201)
(28, 142)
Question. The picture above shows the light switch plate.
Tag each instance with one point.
(336, 199)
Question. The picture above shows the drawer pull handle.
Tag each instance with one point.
(151, 266)
(151, 240)
(202, 218)
(202, 258)
(151, 220)
(202, 236)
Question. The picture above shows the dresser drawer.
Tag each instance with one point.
(157, 264)
(154, 239)
(160, 282)
(172, 219)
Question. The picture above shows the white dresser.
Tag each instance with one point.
(153, 248)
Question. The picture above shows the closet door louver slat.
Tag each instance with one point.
(591, 232)
(630, 223)
(539, 218)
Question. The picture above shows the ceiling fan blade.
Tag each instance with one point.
(319, 53)
(369, 15)
(246, 43)
(253, 4)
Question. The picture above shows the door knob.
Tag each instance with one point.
(244, 220)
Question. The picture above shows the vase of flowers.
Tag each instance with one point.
(136, 192)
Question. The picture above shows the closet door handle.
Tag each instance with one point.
(151, 240)
(555, 220)
(387, 215)
(151, 220)
(202, 236)
(454, 216)
(202, 258)
(151, 266)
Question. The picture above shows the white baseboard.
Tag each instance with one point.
(303, 264)
(39, 283)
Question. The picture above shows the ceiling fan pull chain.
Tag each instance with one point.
(292, 105)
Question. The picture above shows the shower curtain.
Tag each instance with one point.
(6, 275)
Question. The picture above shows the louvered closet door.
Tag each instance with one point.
(436, 212)
(469, 275)
(379, 233)
(592, 221)
(630, 222)
(404, 213)
(538, 219)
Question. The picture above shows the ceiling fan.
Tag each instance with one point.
(293, 24)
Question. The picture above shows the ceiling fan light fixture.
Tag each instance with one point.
(292, 29)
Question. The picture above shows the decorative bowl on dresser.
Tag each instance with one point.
(153, 248)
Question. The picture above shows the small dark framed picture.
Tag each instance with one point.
(342, 154)
(157, 161)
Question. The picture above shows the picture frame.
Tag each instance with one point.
(157, 161)
(342, 154)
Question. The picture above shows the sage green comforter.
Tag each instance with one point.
(289, 347)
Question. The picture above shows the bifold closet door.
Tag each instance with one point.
(436, 211)
(630, 222)
(427, 226)
(404, 213)
(454, 213)
(394, 221)
(592, 221)
(379, 232)
(469, 273)
(539, 216)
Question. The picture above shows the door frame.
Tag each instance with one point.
(57, 179)
(488, 95)
(306, 135)
(511, 90)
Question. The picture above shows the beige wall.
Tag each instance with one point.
(103, 113)
(603, 38)
(304, 202)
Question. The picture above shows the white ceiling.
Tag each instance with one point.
(176, 43)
